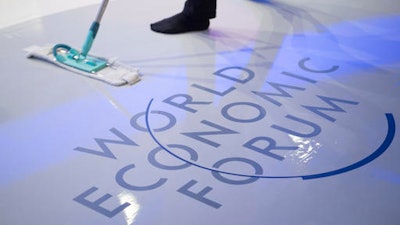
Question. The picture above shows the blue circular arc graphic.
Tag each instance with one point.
(379, 151)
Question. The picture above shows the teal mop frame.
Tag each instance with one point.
(81, 60)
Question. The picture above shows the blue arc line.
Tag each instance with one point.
(381, 149)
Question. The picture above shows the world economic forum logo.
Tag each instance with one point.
(241, 128)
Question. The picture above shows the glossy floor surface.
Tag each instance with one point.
(283, 112)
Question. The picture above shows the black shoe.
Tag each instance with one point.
(180, 23)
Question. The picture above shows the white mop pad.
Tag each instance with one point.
(115, 73)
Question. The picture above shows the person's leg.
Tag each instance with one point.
(194, 17)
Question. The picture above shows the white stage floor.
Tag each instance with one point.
(283, 112)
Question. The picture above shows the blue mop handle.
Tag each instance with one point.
(93, 30)
(90, 38)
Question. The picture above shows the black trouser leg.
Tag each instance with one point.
(201, 8)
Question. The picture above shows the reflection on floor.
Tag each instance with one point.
(283, 112)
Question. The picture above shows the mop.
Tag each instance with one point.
(107, 70)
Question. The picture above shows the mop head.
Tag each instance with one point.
(114, 73)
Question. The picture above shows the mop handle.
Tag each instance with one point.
(101, 11)
(93, 30)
